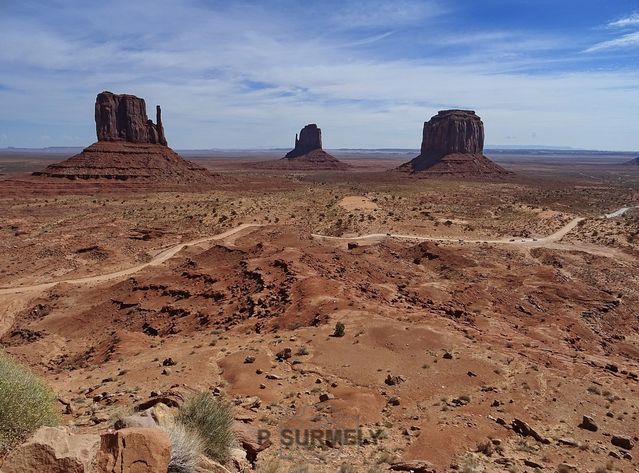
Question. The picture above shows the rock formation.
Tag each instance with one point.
(307, 154)
(123, 118)
(632, 162)
(310, 138)
(453, 144)
(129, 146)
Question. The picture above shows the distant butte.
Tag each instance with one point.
(453, 144)
(632, 162)
(307, 154)
(129, 146)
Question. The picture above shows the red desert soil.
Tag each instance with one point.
(516, 303)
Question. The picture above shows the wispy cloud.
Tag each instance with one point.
(625, 41)
(628, 21)
(250, 74)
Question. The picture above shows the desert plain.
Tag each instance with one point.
(483, 319)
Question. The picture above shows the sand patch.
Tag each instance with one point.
(358, 202)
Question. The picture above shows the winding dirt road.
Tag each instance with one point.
(558, 235)
(158, 259)
(168, 253)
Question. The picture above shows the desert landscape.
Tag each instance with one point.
(319, 237)
(364, 318)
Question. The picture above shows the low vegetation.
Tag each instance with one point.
(26, 403)
(211, 419)
(340, 329)
(186, 447)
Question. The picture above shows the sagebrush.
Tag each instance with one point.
(212, 419)
(186, 447)
(26, 403)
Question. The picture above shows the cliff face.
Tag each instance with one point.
(310, 139)
(453, 132)
(123, 118)
(453, 144)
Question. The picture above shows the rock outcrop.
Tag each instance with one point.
(632, 162)
(54, 450)
(134, 450)
(129, 146)
(307, 155)
(123, 118)
(453, 144)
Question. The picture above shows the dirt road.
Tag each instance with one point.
(168, 253)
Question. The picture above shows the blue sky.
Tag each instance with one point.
(250, 74)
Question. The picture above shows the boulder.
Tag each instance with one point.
(53, 450)
(453, 143)
(134, 450)
(622, 441)
(588, 423)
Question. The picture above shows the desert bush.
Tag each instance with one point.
(26, 403)
(340, 329)
(211, 418)
(186, 447)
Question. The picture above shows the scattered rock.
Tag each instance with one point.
(394, 380)
(622, 441)
(525, 430)
(394, 401)
(284, 354)
(249, 359)
(326, 397)
(588, 423)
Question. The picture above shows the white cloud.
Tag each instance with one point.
(625, 41)
(202, 76)
(632, 20)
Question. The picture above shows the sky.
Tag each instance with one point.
(249, 74)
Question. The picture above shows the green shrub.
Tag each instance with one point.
(212, 419)
(26, 403)
(340, 329)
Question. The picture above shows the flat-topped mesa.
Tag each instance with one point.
(310, 138)
(122, 117)
(453, 132)
(453, 144)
